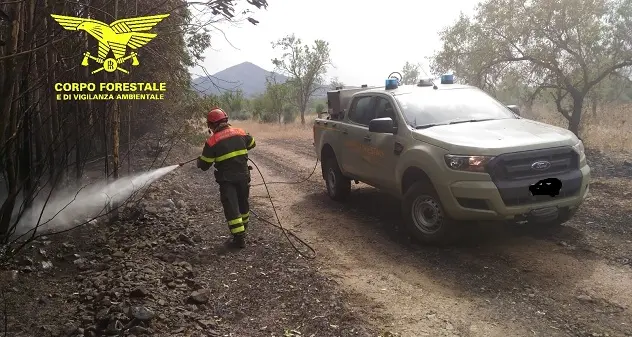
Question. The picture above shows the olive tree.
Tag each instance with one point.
(305, 66)
(562, 48)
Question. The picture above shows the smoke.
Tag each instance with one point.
(88, 202)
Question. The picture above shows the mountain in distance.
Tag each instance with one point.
(248, 77)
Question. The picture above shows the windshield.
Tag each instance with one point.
(452, 105)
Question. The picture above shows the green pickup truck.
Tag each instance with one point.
(452, 154)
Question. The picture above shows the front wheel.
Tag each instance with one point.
(425, 217)
(338, 186)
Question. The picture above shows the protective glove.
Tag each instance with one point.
(201, 164)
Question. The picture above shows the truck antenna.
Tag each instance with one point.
(434, 86)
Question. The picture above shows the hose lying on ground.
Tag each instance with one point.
(292, 182)
(286, 232)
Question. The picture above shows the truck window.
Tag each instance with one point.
(444, 106)
(362, 110)
(384, 109)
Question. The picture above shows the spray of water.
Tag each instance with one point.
(66, 207)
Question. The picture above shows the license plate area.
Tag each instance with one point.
(543, 214)
(545, 211)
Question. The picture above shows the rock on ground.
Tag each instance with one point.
(162, 270)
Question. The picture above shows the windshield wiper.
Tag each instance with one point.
(471, 121)
(425, 126)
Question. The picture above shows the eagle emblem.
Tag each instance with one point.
(116, 37)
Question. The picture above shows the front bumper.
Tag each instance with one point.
(482, 200)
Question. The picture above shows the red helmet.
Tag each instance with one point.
(216, 115)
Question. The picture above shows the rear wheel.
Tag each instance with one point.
(338, 186)
(425, 217)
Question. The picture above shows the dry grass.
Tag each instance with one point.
(272, 130)
(610, 130)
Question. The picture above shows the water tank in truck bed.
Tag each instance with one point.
(338, 100)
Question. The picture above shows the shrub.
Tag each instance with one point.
(320, 107)
(289, 114)
(268, 117)
(240, 115)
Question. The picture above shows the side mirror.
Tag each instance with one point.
(382, 125)
(514, 108)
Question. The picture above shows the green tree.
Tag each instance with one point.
(289, 114)
(410, 73)
(562, 48)
(258, 106)
(320, 107)
(335, 83)
(232, 101)
(304, 65)
(276, 96)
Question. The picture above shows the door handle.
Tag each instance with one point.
(367, 139)
(345, 132)
(398, 148)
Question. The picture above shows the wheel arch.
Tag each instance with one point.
(412, 175)
(327, 152)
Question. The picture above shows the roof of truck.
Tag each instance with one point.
(405, 89)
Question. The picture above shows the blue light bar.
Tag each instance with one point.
(391, 83)
(447, 79)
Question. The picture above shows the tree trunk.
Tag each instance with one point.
(129, 135)
(24, 148)
(78, 148)
(576, 117)
(12, 178)
(116, 126)
(303, 109)
(10, 122)
(52, 107)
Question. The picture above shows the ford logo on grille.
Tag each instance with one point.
(541, 165)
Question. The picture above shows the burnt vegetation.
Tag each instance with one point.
(47, 144)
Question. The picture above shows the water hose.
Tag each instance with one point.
(188, 161)
(278, 225)
(285, 231)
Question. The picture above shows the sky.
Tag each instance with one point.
(369, 39)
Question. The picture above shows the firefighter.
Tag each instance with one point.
(227, 149)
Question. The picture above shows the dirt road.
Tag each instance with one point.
(502, 281)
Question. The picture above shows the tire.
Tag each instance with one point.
(420, 203)
(338, 186)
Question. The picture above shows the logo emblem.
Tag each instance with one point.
(541, 165)
(115, 37)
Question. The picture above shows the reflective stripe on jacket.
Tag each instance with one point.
(227, 149)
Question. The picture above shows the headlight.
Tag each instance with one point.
(579, 148)
(467, 163)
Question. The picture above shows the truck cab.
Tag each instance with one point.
(452, 154)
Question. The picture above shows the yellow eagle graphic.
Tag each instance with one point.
(116, 36)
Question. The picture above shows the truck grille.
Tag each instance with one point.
(515, 166)
(513, 174)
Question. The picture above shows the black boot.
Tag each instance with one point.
(239, 241)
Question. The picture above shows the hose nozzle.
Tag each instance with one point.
(188, 161)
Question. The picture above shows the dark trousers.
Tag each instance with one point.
(234, 197)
